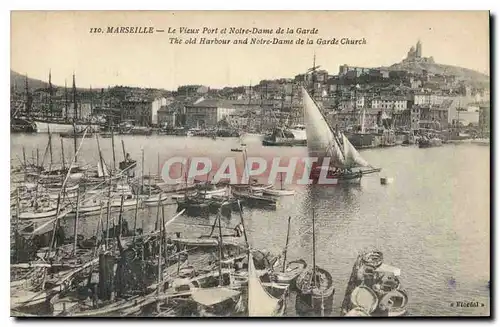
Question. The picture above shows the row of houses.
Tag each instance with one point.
(414, 118)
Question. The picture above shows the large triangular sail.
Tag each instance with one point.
(260, 303)
(322, 140)
(352, 156)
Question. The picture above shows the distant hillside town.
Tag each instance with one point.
(414, 97)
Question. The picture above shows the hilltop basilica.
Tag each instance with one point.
(415, 55)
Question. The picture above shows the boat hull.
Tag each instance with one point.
(44, 127)
(278, 192)
(284, 143)
(316, 301)
(38, 215)
(311, 305)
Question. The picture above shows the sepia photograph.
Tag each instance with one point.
(250, 164)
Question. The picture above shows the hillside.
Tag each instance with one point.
(19, 81)
(470, 76)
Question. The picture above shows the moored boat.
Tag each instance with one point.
(275, 192)
(375, 288)
(427, 142)
(365, 298)
(315, 292)
(184, 195)
(19, 125)
(260, 302)
(314, 287)
(278, 192)
(295, 136)
(292, 271)
(38, 213)
(253, 200)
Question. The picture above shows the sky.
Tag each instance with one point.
(60, 41)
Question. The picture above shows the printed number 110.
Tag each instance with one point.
(95, 30)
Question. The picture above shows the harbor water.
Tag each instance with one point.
(433, 221)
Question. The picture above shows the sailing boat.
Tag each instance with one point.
(260, 302)
(280, 192)
(17, 123)
(325, 143)
(62, 125)
(315, 288)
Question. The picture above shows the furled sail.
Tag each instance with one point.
(352, 156)
(260, 303)
(321, 140)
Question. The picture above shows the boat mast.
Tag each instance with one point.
(50, 93)
(243, 225)
(281, 179)
(75, 115)
(27, 102)
(75, 226)
(355, 106)
(50, 147)
(100, 158)
(160, 234)
(262, 113)
(123, 150)
(65, 100)
(221, 254)
(113, 147)
(142, 172)
(158, 163)
(91, 101)
(62, 155)
(286, 244)
(74, 140)
(75, 106)
(314, 252)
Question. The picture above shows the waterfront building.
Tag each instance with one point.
(238, 120)
(415, 117)
(155, 106)
(434, 117)
(397, 103)
(137, 110)
(167, 116)
(208, 112)
(402, 119)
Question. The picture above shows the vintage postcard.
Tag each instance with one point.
(250, 164)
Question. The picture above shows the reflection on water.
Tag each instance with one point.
(432, 222)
